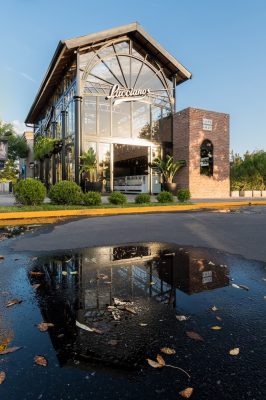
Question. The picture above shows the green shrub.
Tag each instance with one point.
(183, 195)
(29, 192)
(165, 197)
(66, 192)
(117, 198)
(92, 198)
(142, 198)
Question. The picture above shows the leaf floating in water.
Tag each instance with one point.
(88, 329)
(2, 257)
(244, 287)
(64, 273)
(211, 263)
(154, 364)
(2, 377)
(181, 317)
(10, 350)
(74, 273)
(152, 283)
(36, 285)
(113, 342)
(167, 350)
(216, 328)
(160, 360)
(235, 286)
(41, 360)
(194, 335)
(142, 324)
(214, 308)
(13, 302)
(234, 352)
(219, 318)
(36, 273)
(186, 393)
(43, 326)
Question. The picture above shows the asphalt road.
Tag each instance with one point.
(240, 232)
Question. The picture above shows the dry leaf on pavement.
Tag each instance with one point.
(154, 364)
(186, 393)
(160, 360)
(10, 350)
(194, 335)
(214, 308)
(234, 352)
(181, 317)
(41, 360)
(2, 377)
(43, 326)
(13, 302)
(216, 328)
(167, 350)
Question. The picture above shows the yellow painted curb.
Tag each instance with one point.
(126, 210)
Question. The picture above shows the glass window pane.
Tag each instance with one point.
(156, 116)
(122, 47)
(89, 116)
(121, 120)
(104, 165)
(141, 120)
(104, 116)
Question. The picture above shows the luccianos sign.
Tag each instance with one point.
(121, 94)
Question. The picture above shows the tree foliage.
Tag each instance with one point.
(17, 145)
(249, 172)
(10, 172)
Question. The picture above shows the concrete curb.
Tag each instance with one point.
(118, 211)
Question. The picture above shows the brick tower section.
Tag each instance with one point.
(191, 127)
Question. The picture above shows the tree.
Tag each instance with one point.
(17, 145)
(249, 172)
(9, 173)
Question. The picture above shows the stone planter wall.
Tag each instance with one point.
(245, 193)
(256, 193)
(235, 193)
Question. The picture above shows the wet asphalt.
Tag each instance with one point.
(229, 249)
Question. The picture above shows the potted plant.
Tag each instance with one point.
(88, 170)
(168, 169)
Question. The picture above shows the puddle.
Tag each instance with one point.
(10, 231)
(114, 307)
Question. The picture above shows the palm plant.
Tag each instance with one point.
(89, 165)
(167, 168)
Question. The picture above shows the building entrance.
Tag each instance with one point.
(131, 170)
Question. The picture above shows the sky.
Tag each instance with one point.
(222, 42)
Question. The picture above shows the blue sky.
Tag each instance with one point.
(223, 44)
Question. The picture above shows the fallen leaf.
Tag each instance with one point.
(160, 360)
(235, 286)
(41, 360)
(116, 315)
(113, 342)
(186, 393)
(43, 326)
(10, 350)
(36, 273)
(211, 263)
(167, 350)
(64, 273)
(36, 285)
(181, 317)
(216, 328)
(2, 257)
(234, 352)
(13, 302)
(194, 335)
(73, 272)
(118, 302)
(33, 258)
(244, 287)
(2, 377)
(154, 364)
(130, 310)
(87, 328)
(152, 283)
(142, 324)
(219, 318)
(214, 308)
(103, 276)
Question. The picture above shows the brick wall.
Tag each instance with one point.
(188, 136)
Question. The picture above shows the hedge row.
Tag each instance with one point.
(32, 192)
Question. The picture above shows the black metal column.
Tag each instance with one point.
(63, 152)
(53, 159)
(77, 100)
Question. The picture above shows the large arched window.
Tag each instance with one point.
(206, 158)
(126, 93)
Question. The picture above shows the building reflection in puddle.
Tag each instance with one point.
(120, 293)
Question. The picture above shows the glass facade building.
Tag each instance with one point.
(113, 92)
